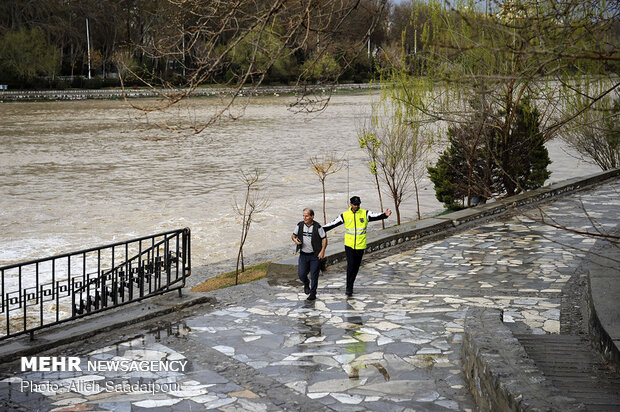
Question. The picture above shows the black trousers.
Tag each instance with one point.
(354, 260)
(309, 263)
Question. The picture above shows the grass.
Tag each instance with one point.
(446, 211)
(225, 280)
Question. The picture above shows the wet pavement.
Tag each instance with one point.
(394, 346)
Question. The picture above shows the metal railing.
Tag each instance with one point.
(45, 292)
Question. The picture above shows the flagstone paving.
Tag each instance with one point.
(395, 346)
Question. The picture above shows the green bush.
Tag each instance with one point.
(25, 55)
(481, 161)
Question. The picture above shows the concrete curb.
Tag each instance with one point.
(133, 313)
(500, 375)
(412, 231)
(602, 297)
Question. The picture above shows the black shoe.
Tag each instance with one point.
(349, 293)
(312, 296)
(307, 288)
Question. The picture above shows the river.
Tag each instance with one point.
(77, 174)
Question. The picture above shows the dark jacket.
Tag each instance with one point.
(317, 241)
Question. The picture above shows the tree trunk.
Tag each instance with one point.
(243, 235)
(397, 210)
(324, 215)
(417, 196)
(237, 266)
(380, 200)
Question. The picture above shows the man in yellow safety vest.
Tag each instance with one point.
(355, 221)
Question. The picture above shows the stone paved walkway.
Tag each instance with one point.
(395, 346)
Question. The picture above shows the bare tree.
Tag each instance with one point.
(550, 52)
(419, 150)
(397, 146)
(237, 43)
(253, 203)
(323, 166)
(595, 134)
(541, 50)
(394, 163)
(420, 143)
(368, 141)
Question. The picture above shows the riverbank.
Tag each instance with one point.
(133, 93)
(80, 174)
(404, 340)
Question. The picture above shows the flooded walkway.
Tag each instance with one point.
(394, 346)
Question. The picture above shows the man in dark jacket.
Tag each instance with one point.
(311, 242)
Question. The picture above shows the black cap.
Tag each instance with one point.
(355, 200)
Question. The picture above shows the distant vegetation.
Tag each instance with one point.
(46, 44)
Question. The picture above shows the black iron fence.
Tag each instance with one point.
(52, 290)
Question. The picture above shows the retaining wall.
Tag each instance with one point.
(499, 372)
(602, 297)
(426, 228)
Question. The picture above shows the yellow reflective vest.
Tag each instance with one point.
(355, 228)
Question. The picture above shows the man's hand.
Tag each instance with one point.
(321, 254)
(296, 240)
(388, 212)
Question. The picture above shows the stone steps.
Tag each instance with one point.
(575, 369)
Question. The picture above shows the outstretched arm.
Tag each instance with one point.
(336, 222)
(372, 216)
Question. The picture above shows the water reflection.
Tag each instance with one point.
(167, 329)
(312, 327)
(357, 346)
(130, 369)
